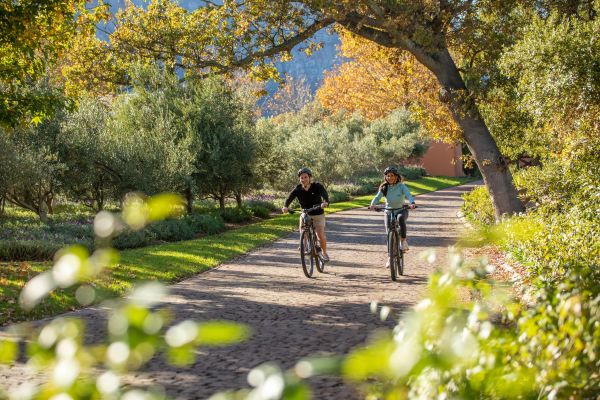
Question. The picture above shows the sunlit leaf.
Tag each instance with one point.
(220, 333)
(8, 351)
(164, 205)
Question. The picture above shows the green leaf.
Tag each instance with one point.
(220, 333)
(369, 361)
(164, 205)
(8, 351)
(184, 355)
(299, 391)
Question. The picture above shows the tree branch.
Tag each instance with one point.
(366, 27)
(375, 31)
(287, 45)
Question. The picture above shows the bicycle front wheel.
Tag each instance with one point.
(306, 253)
(400, 261)
(393, 252)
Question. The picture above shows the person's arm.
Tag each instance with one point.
(325, 196)
(376, 199)
(407, 194)
(289, 200)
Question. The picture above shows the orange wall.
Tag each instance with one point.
(443, 159)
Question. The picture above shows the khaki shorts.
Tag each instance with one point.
(318, 221)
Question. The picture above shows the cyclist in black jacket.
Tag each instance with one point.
(309, 194)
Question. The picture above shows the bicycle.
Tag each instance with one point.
(309, 245)
(395, 251)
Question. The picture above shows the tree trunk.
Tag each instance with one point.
(100, 201)
(49, 200)
(490, 161)
(238, 199)
(189, 200)
(42, 213)
(98, 196)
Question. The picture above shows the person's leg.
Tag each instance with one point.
(386, 224)
(387, 219)
(300, 232)
(320, 231)
(402, 221)
(319, 224)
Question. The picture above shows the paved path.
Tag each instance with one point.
(292, 316)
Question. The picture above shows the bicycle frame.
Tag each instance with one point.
(309, 244)
(395, 252)
(392, 217)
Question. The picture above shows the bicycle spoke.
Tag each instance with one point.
(393, 252)
(305, 253)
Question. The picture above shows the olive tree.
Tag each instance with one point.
(30, 167)
(224, 145)
(89, 176)
(147, 141)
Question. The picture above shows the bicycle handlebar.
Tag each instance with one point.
(384, 208)
(306, 210)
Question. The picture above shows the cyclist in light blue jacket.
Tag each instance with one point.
(395, 192)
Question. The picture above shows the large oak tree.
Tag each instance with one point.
(377, 80)
(251, 34)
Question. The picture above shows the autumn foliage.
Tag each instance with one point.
(378, 80)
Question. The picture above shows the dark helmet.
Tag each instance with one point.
(304, 170)
(393, 170)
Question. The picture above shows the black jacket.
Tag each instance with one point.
(315, 194)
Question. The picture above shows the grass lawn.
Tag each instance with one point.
(171, 262)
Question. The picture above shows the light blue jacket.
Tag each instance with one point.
(395, 196)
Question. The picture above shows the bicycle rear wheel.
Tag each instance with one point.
(393, 252)
(306, 253)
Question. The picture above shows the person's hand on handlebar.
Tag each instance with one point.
(324, 204)
(413, 205)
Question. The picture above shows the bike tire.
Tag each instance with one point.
(393, 252)
(400, 261)
(318, 257)
(306, 254)
(320, 263)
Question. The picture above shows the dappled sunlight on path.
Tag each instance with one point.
(292, 316)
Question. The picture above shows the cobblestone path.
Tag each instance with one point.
(292, 316)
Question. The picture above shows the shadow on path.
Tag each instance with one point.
(291, 316)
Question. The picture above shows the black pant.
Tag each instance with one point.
(401, 217)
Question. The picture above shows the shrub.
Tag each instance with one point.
(206, 223)
(172, 230)
(269, 205)
(260, 211)
(354, 189)
(478, 207)
(336, 197)
(20, 250)
(539, 186)
(372, 180)
(412, 172)
(561, 255)
(236, 214)
(133, 239)
(73, 230)
(560, 244)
